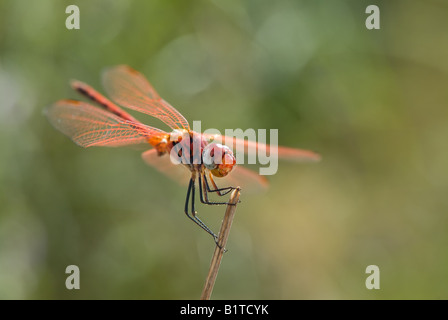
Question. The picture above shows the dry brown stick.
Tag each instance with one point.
(220, 247)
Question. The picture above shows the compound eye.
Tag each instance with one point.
(227, 164)
(219, 159)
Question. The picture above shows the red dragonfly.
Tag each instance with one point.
(109, 125)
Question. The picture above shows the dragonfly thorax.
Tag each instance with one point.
(185, 147)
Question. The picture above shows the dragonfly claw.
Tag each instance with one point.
(218, 245)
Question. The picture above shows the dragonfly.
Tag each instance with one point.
(104, 123)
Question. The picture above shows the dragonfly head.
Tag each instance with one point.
(219, 159)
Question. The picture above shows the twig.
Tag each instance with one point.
(220, 247)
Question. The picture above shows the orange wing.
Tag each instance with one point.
(97, 97)
(90, 126)
(245, 178)
(163, 164)
(252, 147)
(130, 89)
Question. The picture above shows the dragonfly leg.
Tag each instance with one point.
(219, 191)
(193, 216)
(204, 188)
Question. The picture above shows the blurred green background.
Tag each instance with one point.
(372, 102)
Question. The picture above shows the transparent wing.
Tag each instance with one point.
(90, 126)
(130, 89)
(251, 147)
(242, 177)
(163, 164)
(95, 96)
(249, 181)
